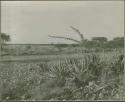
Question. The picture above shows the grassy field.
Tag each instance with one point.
(24, 50)
(74, 76)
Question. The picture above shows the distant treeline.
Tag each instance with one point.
(95, 42)
(98, 42)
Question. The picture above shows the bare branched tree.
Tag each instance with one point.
(76, 41)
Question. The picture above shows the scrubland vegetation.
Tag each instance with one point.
(88, 76)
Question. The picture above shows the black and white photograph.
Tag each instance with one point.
(62, 50)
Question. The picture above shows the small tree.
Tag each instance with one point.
(100, 39)
(3, 39)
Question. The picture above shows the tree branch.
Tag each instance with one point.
(76, 30)
(65, 38)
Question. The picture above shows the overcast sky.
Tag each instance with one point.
(32, 21)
